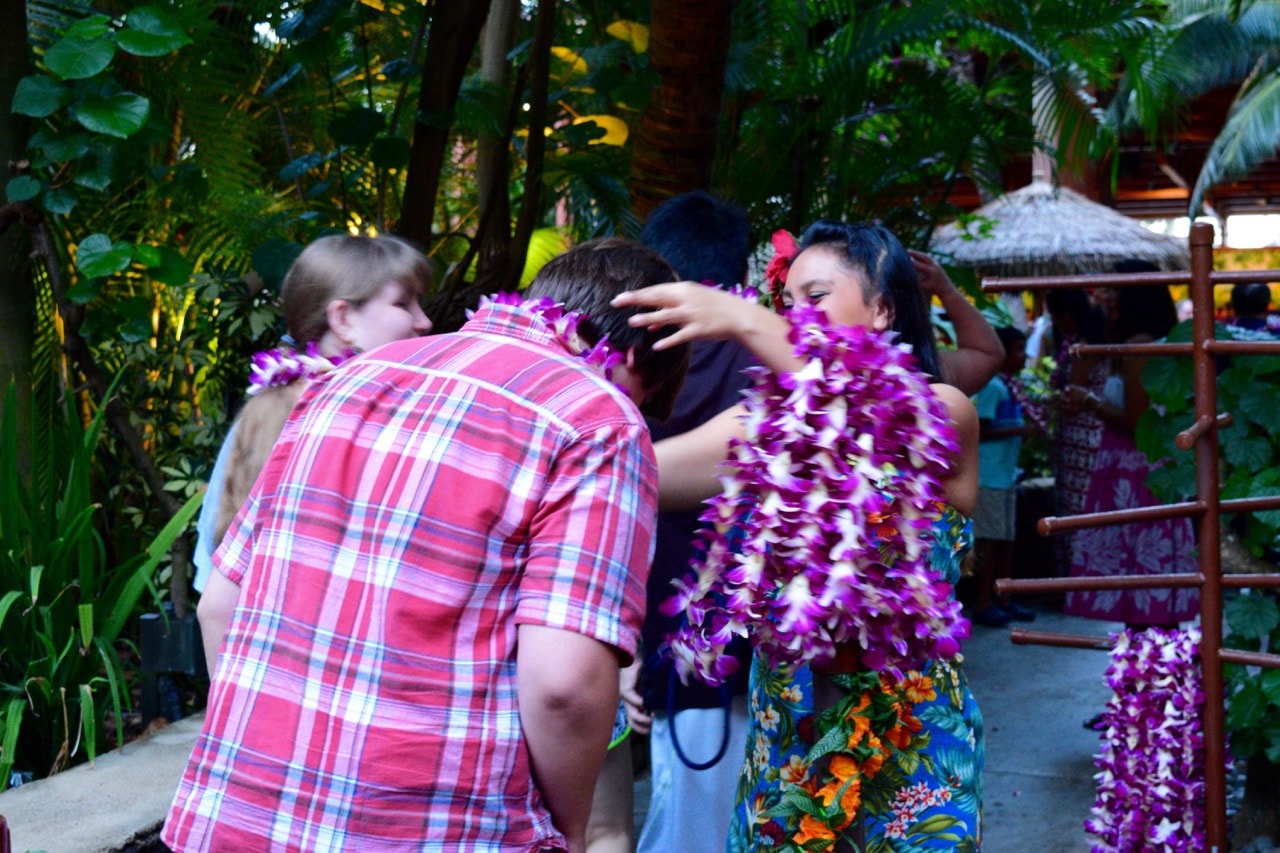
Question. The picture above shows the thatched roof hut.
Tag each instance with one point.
(1046, 230)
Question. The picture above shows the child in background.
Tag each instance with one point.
(1000, 433)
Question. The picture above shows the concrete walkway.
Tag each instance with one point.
(119, 803)
(1039, 782)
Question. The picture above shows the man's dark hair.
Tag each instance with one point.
(704, 238)
(1251, 299)
(1010, 335)
(586, 278)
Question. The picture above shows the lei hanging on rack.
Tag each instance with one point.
(284, 365)
(1152, 767)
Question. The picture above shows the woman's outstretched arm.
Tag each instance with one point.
(707, 313)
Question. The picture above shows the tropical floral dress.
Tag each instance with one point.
(927, 794)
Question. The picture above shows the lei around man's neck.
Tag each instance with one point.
(601, 357)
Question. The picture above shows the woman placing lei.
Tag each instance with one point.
(851, 477)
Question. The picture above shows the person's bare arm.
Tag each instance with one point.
(707, 313)
(978, 353)
(689, 463)
(567, 690)
(962, 485)
(629, 689)
(217, 603)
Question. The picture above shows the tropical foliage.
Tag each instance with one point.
(178, 155)
(66, 603)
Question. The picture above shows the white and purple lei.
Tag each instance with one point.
(1151, 770)
(839, 477)
(282, 366)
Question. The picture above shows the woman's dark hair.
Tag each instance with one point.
(1086, 316)
(1144, 309)
(1010, 336)
(888, 275)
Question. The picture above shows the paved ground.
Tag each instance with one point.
(1039, 783)
(1039, 779)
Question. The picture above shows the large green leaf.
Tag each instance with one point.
(1261, 405)
(75, 58)
(148, 31)
(22, 188)
(121, 115)
(272, 260)
(61, 145)
(1252, 616)
(58, 201)
(40, 96)
(135, 319)
(98, 255)
(299, 166)
(172, 268)
(357, 127)
(1252, 453)
(11, 721)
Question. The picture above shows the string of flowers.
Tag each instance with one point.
(837, 479)
(1151, 779)
(874, 719)
(563, 324)
(284, 365)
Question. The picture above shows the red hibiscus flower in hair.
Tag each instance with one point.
(784, 252)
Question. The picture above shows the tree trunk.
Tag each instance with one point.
(493, 165)
(17, 290)
(455, 30)
(675, 144)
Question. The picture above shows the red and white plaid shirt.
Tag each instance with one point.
(423, 501)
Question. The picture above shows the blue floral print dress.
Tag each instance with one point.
(925, 798)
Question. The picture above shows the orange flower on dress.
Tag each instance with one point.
(861, 727)
(812, 828)
(794, 772)
(872, 765)
(918, 687)
(848, 803)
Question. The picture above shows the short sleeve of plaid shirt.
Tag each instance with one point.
(584, 549)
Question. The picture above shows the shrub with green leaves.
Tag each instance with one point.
(1253, 716)
(65, 608)
(1249, 447)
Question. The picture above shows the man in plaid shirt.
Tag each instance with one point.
(422, 608)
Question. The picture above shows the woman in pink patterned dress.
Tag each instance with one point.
(1075, 433)
(1118, 482)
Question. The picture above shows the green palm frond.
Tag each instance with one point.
(1250, 136)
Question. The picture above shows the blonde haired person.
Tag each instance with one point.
(343, 295)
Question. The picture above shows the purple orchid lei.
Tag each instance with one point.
(282, 366)
(838, 478)
(564, 324)
(1151, 779)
